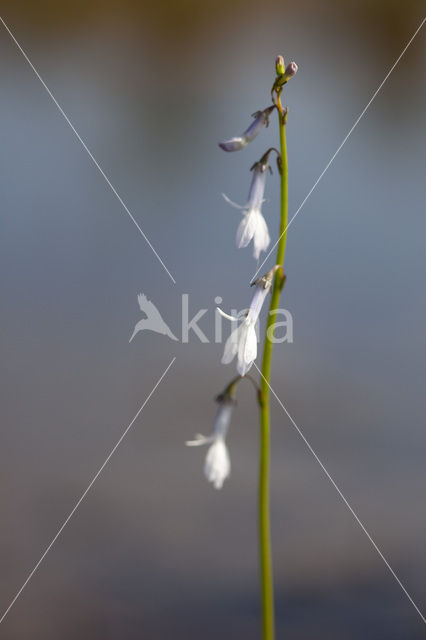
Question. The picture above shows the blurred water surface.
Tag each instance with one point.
(153, 551)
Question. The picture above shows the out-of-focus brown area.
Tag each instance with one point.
(153, 551)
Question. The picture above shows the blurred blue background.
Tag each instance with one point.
(154, 552)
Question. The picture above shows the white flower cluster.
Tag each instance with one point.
(243, 339)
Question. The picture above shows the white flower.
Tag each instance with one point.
(253, 225)
(243, 340)
(217, 466)
(261, 119)
(243, 343)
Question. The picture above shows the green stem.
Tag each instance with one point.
(267, 587)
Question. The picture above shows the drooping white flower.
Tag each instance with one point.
(261, 119)
(243, 340)
(253, 225)
(217, 466)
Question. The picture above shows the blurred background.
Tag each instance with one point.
(154, 552)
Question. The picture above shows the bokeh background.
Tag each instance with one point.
(154, 552)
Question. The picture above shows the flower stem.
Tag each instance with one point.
(267, 588)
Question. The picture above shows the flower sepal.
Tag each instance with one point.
(267, 279)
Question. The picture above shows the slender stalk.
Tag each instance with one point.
(267, 587)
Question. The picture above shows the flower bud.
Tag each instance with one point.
(291, 69)
(282, 79)
(261, 120)
(279, 65)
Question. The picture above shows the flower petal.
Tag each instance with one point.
(260, 120)
(250, 347)
(257, 187)
(246, 229)
(226, 315)
(234, 144)
(233, 204)
(218, 465)
(199, 440)
(231, 347)
(259, 296)
(223, 419)
(247, 347)
(261, 238)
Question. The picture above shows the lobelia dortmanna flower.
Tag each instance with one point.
(261, 119)
(253, 225)
(217, 466)
(242, 341)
